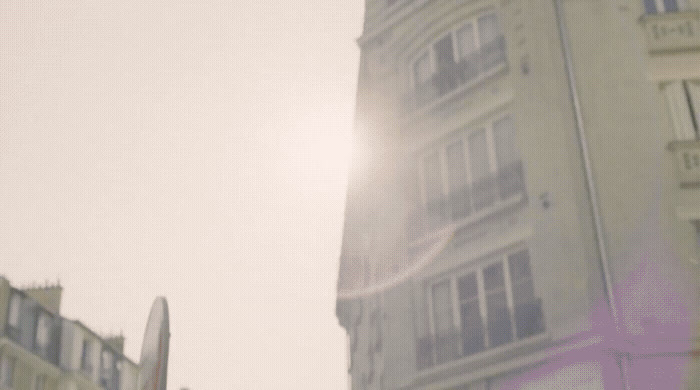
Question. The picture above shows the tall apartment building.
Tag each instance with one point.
(41, 350)
(525, 209)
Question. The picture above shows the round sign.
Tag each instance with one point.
(153, 367)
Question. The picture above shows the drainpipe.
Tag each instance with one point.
(603, 262)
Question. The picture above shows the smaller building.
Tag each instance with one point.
(41, 350)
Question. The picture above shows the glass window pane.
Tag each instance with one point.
(106, 361)
(421, 69)
(443, 52)
(505, 140)
(466, 41)
(500, 331)
(523, 292)
(459, 199)
(489, 29)
(433, 177)
(442, 307)
(650, 6)
(472, 327)
(456, 167)
(468, 289)
(493, 277)
(43, 330)
(478, 155)
(15, 304)
(86, 358)
(670, 6)
(519, 264)
(520, 276)
(107, 371)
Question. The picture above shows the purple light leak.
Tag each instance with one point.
(650, 344)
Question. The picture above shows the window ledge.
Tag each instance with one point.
(478, 216)
(457, 364)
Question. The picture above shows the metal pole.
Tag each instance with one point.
(590, 182)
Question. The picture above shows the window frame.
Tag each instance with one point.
(463, 136)
(87, 359)
(105, 377)
(43, 350)
(110, 369)
(14, 309)
(455, 303)
(452, 32)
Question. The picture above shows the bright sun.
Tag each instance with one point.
(313, 148)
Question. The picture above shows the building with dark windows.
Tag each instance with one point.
(40, 350)
(523, 209)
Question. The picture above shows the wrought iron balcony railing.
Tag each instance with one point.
(433, 350)
(459, 204)
(453, 75)
(529, 319)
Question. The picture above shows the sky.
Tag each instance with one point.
(193, 150)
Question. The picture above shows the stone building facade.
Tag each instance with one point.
(525, 212)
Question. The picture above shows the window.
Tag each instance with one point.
(466, 41)
(13, 316)
(86, 357)
(443, 322)
(683, 99)
(109, 373)
(483, 308)
(7, 370)
(106, 369)
(661, 6)
(510, 174)
(499, 322)
(457, 180)
(40, 382)
(458, 57)
(479, 161)
(42, 338)
(421, 69)
(471, 171)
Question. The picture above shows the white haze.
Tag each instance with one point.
(195, 150)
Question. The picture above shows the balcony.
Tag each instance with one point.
(449, 78)
(687, 161)
(673, 44)
(434, 350)
(469, 202)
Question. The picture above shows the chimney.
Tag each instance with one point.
(116, 342)
(48, 296)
